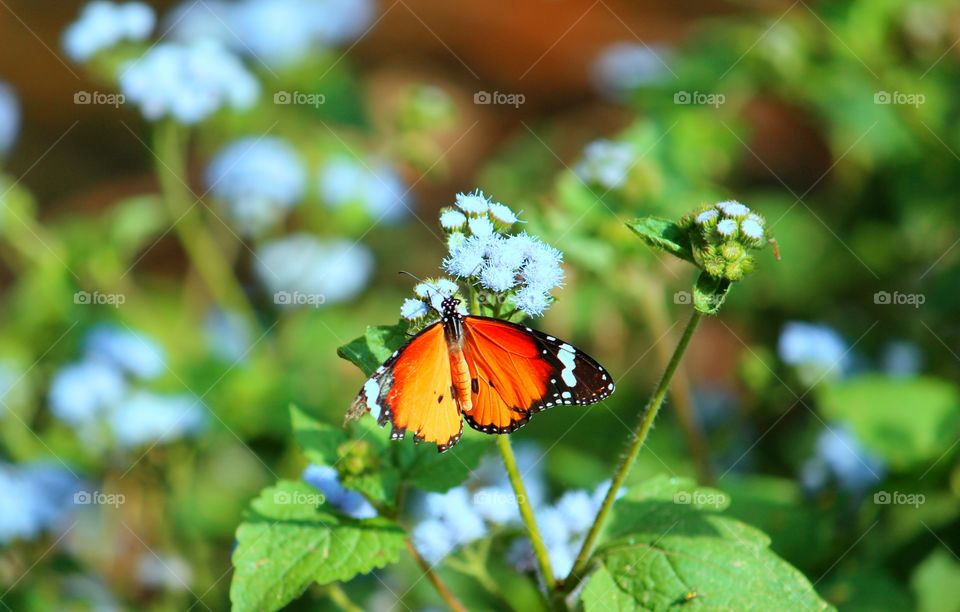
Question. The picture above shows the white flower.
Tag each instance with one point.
(102, 25)
(503, 213)
(497, 278)
(452, 219)
(624, 66)
(727, 227)
(733, 208)
(752, 227)
(807, 344)
(707, 216)
(455, 240)
(414, 309)
(532, 301)
(606, 162)
(473, 203)
(467, 259)
(481, 226)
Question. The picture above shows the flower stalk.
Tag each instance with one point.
(640, 433)
(204, 253)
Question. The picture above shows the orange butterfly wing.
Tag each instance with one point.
(517, 371)
(412, 390)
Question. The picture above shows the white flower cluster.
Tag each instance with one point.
(520, 267)
(731, 218)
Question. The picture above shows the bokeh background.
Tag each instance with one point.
(151, 213)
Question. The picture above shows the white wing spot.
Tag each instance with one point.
(567, 356)
(566, 395)
(372, 390)
(610, 386)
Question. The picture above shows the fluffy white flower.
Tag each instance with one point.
(727, 227)
(467, 259)
(452, 219)
(752, 227)
(414, 309)
(481, 226)
(502, 212)
(707, 216)
(473, 203)
(733, 208)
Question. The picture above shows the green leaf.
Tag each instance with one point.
(709, 293)
(663, 235)
(428, 470)
(874, 407)
(375, 346)
(936, 583)
(319, 441)
(668, 544)
(288, 540)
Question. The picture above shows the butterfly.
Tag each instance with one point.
(493, 373)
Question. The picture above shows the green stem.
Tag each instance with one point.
(526, 511)
(204, 252)
(435, 579)
(639, 437)
(339, 597)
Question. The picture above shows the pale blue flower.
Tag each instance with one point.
(443, 286)
(277, 32)
(228, 335)
(81, 392)
(9, 118)
(126, 350)
(375, 186)
(467, 259)
(503, 213)
(498, 278)
(452, 219)
(319, 271)
(625, 66)
(102, 25)
(34, 498)
(840, 455)
(543, 270)
(481, 227)
(809, 345)
(259, 179)
(732, 208)
(606, 163)
(727, 227)
(351, 503)
(577, 509)
(707, 216)
(902, 359)
(342, 21)
(455, 240)
(752, 227)
(414, 309)
(144, 417)
(434, 540)
(473, 203)
(188, 81)
(496, 504)
(206, 20)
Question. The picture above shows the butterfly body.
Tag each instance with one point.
(493, 373)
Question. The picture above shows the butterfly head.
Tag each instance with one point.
(449, 307)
